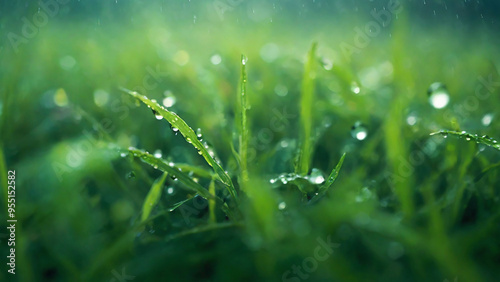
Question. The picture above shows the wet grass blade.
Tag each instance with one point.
(306, 113)
(190, 136)
(485, 140)
(330, 180)
(243, 127)
(153, 197)
(172, 170)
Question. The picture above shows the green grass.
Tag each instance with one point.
(255, 161)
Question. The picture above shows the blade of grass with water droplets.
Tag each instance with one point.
(306, 113)
(243, 127)
(485, 140)
(190, 136)
(330, 180)
(153, 196)
(172, 170)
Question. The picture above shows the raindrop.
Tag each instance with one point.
(216, 59)
(244, 60)
(438, 95)
(101, 97)
(157, 115)
(282, 205)
(171, 164)
(198, 133)
(170, 190)
(272, 181)
(281, 90)
(487, 119)
(123, 154)
(411, 119)
(316, 176)
(157, 153)
(169, 99)
(355, 88)
(359, 131)
(175, 130)
(130, 175)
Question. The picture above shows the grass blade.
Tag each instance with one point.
(153, 196)
(190, 136)
(172, 170)
(306, 113)
(243, 122)
(485, 140)
(329, 181)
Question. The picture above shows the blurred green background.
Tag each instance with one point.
(407, 206)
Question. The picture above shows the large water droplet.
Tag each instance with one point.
(157, 153)
(282, 205)
(359, 131)
(438, 95)
(169, 99)
(170, 190)
(216, 59)
(316, 176)
(355, 88)
(157, 115)
(487, 119)
(198, 133)
(244, 60)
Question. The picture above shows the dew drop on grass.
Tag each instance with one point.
(171, 164)
(327, 63)
(157, 153)
(244, 60)
(282, 205)
(198, 133)
(487, 119)
(123, 155)
(272, 181)
(157, 115)
(316, 176)
(359, 131)
(175, 130)
(438, 95)
(411, 119)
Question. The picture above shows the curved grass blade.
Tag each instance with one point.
(330, 180)
(306, 113)
(190, 136)
(485, 140)
(153, 196)
(172, 170)
(243, 127)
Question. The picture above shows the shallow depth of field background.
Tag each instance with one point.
(383, 84)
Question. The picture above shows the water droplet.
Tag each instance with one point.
(445, 135)
(467, 138)
(123, 155)
(175, 130)
(272, 181)
(157, 153)
(130, 175)
(170, 190)
(411, 119)
(281, 90)
(438, 95)
(355, 88)
(359, 131)
(171, 164)
(284, 143)
(216, 59)
(244, 60)
(157, 115)
(282, 205)
(327, 63)
(316, 176)
(487, 119)
(198, 133)
(169, 99)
